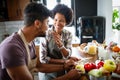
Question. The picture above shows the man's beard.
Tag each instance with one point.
(42, 34)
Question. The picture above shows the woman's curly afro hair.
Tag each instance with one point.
(64, 10)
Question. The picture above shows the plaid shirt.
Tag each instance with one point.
(48, 48)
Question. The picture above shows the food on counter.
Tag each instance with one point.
(95, 72)
(99, 64)
(110, 45)
(97, 69)
(102, 67)
(80, 67)
(89, 66)
(95, 42)
(91, 49)
(109, 65)
(115, 48)
(103, 53)
(104, 71)
(117, 60)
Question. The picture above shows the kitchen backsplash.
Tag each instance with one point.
(8, 27)
(2, 30)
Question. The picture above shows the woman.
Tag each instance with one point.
(56, 47)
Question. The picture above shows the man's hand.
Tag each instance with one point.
(117, 69)
(73, 74)
(69, 64)
(74, 58)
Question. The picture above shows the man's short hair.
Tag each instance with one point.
(35, 11)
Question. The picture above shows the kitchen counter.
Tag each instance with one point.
(76, 52)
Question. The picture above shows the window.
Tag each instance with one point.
(116, 6)
(116, 14)
(116, 20)
(52, 3)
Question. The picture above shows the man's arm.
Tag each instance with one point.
(118, 69)
(47, 68)
(19, 73)
(71, 75)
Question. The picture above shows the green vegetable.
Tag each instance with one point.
(95, 72)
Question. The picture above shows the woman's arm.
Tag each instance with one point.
(43, 51)
(62, 61)
(66, 46)
(57, 61)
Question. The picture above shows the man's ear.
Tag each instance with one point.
(37, 23)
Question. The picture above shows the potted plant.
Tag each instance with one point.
(115, 17)
(116, 25)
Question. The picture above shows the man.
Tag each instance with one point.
(116, 76)
(17, 50)
(118, 69)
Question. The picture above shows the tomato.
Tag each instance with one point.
(93, 65)
(89, 66)
(100, 64)
(115, 48)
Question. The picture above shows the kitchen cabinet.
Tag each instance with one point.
(3, 10)
(12, 9)
(15, 9)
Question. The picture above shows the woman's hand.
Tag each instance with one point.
(57, 39)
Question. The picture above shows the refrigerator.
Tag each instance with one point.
(91, 28)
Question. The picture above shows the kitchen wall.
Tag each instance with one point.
(8, 27)
(105, 9)
(2, 30)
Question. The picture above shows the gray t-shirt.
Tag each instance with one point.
(13, 53)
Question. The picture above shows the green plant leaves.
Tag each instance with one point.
(115, 16)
